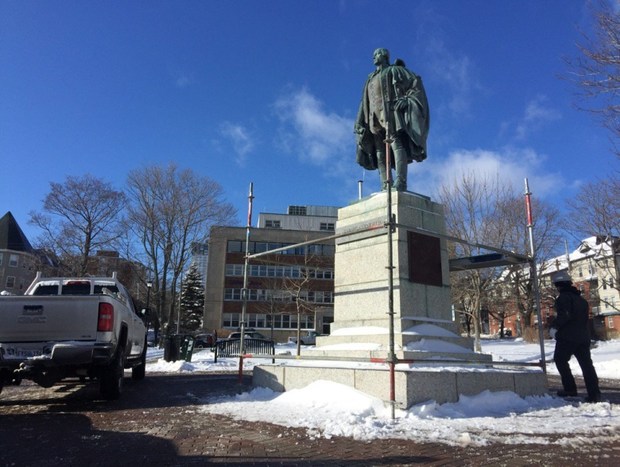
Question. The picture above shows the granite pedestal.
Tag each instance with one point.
(426, 338)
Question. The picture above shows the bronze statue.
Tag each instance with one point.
(393, 108)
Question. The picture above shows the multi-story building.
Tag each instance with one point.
(17, 257)
(595, 269)
(133, 275)
(321, 218)
(288, 288)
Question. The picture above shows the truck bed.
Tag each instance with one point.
(48, 318)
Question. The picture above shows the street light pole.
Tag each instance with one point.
(149, 320)
(149, 284)
(179, 314)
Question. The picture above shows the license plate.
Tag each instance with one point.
(10, 352)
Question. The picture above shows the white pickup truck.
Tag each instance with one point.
(307, 338)
(63, 327)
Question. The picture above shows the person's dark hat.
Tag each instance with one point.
(561, 276)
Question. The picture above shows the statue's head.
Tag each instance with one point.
(381, 57)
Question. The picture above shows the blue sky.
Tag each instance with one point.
(267, 91)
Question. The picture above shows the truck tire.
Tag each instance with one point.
(138, 372)
(111, 384)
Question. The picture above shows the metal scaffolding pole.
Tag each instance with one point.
(391, 358)
(244, 291)
(534, 272)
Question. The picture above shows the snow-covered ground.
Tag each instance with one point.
(329, 409)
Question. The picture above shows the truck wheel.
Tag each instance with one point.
(111, 384)
(138, 372)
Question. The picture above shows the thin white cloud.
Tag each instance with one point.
(239, 138)
(538, 112)
(457, 72)
(182, 79)
(313, 134)
(510, 165)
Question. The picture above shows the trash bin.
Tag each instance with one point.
(187, 347)
(171, 348)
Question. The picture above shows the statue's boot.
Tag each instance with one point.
(400, 158)
(382, 171)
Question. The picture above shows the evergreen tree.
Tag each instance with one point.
(192, 300)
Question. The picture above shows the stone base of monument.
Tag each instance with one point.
(436, 363)
(421, 339)
(440, 366)
(414, 384)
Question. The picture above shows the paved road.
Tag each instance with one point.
(158, 422)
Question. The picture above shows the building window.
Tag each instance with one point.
(320, 273)
(260, 270)
(10, 282)
(232, 294)
(235, 246)
(234, 270)
(257, 320)
(262, 321)
(290, 321)
(327, 226)
(13, 261)
(297, 210)
(610, 322)
(1, 256)
(230, 320)
(267, 295)
(272, 224)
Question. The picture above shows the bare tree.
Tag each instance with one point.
(275, 300)
(488, 212)
(169, 210)
(79, 216)
(517, 280)
(293, 286)
(596, 70)
(299, 289)
(595, 212)
(471, 215)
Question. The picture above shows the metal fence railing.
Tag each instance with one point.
(232, 347)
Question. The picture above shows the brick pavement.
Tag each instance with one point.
(158, 422)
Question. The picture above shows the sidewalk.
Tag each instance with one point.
(159, 422)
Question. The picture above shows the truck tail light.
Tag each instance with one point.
(105, 322)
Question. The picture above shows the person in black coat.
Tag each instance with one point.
(570, 328)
